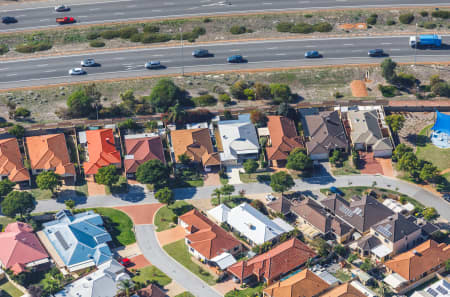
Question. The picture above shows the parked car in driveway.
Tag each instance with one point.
(235, 59)
(61, 8)
(336, 191)
(77, 71)
(9, 20)
(201, 53)
(270, 198)
(313, 54)
(153, 65)
(88, 62)
(378, 52)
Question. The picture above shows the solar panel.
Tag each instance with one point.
(348, 212)
(385, 230)
(442, 290)
(446, 284)
(432, 292)
(61, 240)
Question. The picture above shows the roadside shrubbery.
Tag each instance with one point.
(443, 14)
(3, 49)
(388, 91)
(205, 100)
(304, 28)
(236, 30)
(96, 43)
(406, 18)
(33, 47)
(372, 20)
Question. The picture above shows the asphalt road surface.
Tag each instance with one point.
(261, 54)
(32, 16)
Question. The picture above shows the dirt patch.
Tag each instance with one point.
(359, 26)
(142, 214)
(414, 123)
(358, 88)
(95, 189)
(171, 235)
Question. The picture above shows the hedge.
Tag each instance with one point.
(443, 14)
(424, 13)
(136, 37)
(151, 28)
(429, 25)
(304, 28)
(388, 91)
(127, 32)
(92, 35)
(205, 100)
(406, 18)
(155, 37)
(371, 20)
(97, 43)
(3, 49)
(110, 34)
(284, 27)
(33, 47)
(390, 22)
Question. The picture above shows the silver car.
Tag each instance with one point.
(88, 63)
(77, 71)
(61, 8)
(153, 65)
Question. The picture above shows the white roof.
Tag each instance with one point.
(394, 280)
(197, 125)
(397, 207)
(263, 131)
(219, 213)
(441, 288)
(224, 260)
(283, 224)
(381, 251)
(253, 224)
(103, 282)
(142, 135)
(363, 289)
(238, 138)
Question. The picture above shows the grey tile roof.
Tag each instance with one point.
(395, 227)
(368, 242)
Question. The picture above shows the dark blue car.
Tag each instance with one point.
(312, 54)
(8, 20)
(235, 59)
(336, 191)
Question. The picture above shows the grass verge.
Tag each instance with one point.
(166, 216)
(10, 290)
(179, 252)
(346, 169)
(152, 274)
(254, 177)
(255, 291)
(185, 294)
(118, 224)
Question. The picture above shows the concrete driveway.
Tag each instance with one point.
(146, 238)
(233, 175)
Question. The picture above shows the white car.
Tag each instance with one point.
(88, 63)
(61, 8)
(77, 71)
(153, 65)
(270, 198)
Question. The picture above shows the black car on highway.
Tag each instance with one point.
(9, 20)
(236, 59)
(378, 52)
(201, 53)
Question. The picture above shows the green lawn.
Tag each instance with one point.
(39, 194)
(342, 276)
(164, 217)
(152, 274)
(9, 289)
(5, 221)
(185, 294)
(256, 291)
(346, 169)
(118, 224)
(253, 177)
(178, 251)
(195, 183)
(427, 151)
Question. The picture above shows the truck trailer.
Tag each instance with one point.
(429, 40)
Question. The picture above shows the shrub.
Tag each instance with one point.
(406, 18)
(443, 14)
(371, 20)
(207, 20)
(235, 30)
(110, 34)
(323, 27)
(127, 32)
(405, 79)
(199, 31)
(151, 28)
(429, 25)
(388, 91)
(136, 37)
(284, 27)
(224, 98)
(205, 100)
(424, 13)
(92, 35)
(390, 22)
(302, 28)
(97, 43)
(3, 49)
(33, 47)
(155, 37)
(308, 16)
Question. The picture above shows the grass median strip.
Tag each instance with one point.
(179, 252)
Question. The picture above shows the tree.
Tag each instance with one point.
(22, 113)
(298, 160)
(227, 115)
(35, 291)
(408, 162)
(165, 195)
(176, 114)
(395, 121)
(107, 176)
(404, 80)
(323, 248)
(238, 88)
(52, 282)
(165, 94)
(262, 91)
(79, 103)
(257, 204)
(15, 203)
(281, 182)
(217, 193)
(17, 130)
(6, 186)
(258, 118)
(399, 151)
(388, 69)
(129, 124)
(340, 250)
(152, 172)
(284, 109)
(48, 180)
(70, 204)
(250, 166)
(336, 158)
(429, 213)
(447, 265)
(441, 89)
(249, 94)
(366, 265)
(227, 190)
(429, 173)
(151, 125)
(184, 159)
(281, 93)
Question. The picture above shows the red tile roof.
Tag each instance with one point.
(283, 136)
(20, 246)
(423, 258)
(140, 150)
(102, 150)
(50, 151)
(151, 290)
(274, 263)
(206, 237)
(11, 164)
(344, 290)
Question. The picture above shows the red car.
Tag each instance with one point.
(125, 262)
(65, 20)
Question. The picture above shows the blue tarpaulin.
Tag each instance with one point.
(442, 123)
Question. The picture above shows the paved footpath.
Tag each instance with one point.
(146, 239)
(423, 196)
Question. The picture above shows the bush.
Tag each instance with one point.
(429, 25)
(151, 28)
(284, 27)
(127, 32)
(323, 27)
(207, 20)
(371, 20)
(3, 49)
(205, 100)
(406, 18)
(388, 91)
(97, 43)
(224, 98)
(24, 48)
(443, 14)
(308, 16)
(405, 80)
(235, 30)
(33, 47)
(110, 34)
(136, 37)
(302, 28)
(198, 31)
(390, 22)
(92, 35)
(155, 37)
(424, 13)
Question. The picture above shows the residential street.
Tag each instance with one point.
(146, 239)
(421, 195)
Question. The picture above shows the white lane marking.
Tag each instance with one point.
(272, 48)
(94, 9)
(303, 2)
(356, 51)
(235, 50)
(169, 3)
(280, 54)
(131, 6)
(14, 74)
(348, 44)
(395, 49)
(157, 55)
(192, 8)
(166, 61)
(21, 15)
(310, 46)
(47, 71)
(119, 13)
(83, 16)
(42, 65)
(267, 3)
(386, 43)
(156, 10)
(119, 58)
(341, 0)
(44, 20)
(3, 69)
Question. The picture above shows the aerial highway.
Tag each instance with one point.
(259, 54)
(42, 14)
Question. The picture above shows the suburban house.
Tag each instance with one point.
(389, 237)
(310, 212)
(151, 290)
(280, 205)
(345, 290)
(254, 226)
(105, 281)
(305, 283)
(220, 213)
(11, 163)
(273, 264)
(239, 140)
(416, 266)
(207, 241)
(80, 240)
(283, 139)
(360, 212)
(324, 133)
(21, 249)
(49, 152)
(441, 288)
(141, 148)
(197, 144)
(368, 134)
(101, 151)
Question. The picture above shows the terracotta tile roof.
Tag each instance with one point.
(140, 150)
(48, 152)
(11, 164)
(411, 264)
(206, 237)
(283, 136)
(274, 263)
(102, 150)
(151, 290)
(20, 246)
(344, 290)
(196, 143)
(304, 284)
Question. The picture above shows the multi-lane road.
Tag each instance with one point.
(42, 15)
(260, 54)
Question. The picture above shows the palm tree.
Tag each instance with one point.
(227, 190)
(217, 192)
(125, 287)
(176, 114)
